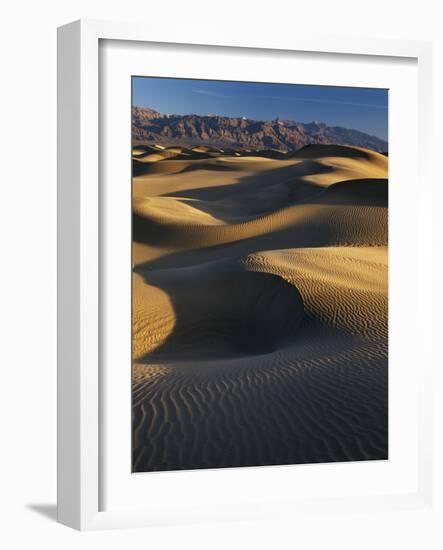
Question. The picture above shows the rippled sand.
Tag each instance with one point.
(260, 307)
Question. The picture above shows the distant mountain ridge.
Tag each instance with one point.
(149, 125)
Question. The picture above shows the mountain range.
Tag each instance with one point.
(149, 125)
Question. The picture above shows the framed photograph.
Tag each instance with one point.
(241, 281)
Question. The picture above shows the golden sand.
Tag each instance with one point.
(259, 307)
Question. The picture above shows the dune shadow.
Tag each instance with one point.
(209, 167)
(288, 176)
(319, 150)
(356, 192)
(225, 312)
(284, 238)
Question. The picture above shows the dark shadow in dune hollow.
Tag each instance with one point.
(226, 312)
(246, 416)
(318, 151)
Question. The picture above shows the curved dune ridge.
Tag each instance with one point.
(260, 311)
(330, 218)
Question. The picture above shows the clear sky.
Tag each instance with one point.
(364, 109)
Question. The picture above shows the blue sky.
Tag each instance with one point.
(364, 109)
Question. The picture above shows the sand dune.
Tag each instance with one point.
(259, 308)
(329, 219)
(224, 312)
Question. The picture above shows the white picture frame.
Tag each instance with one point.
(80, 393)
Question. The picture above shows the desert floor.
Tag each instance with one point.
(260, 307)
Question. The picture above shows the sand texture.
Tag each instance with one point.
(260, 307)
